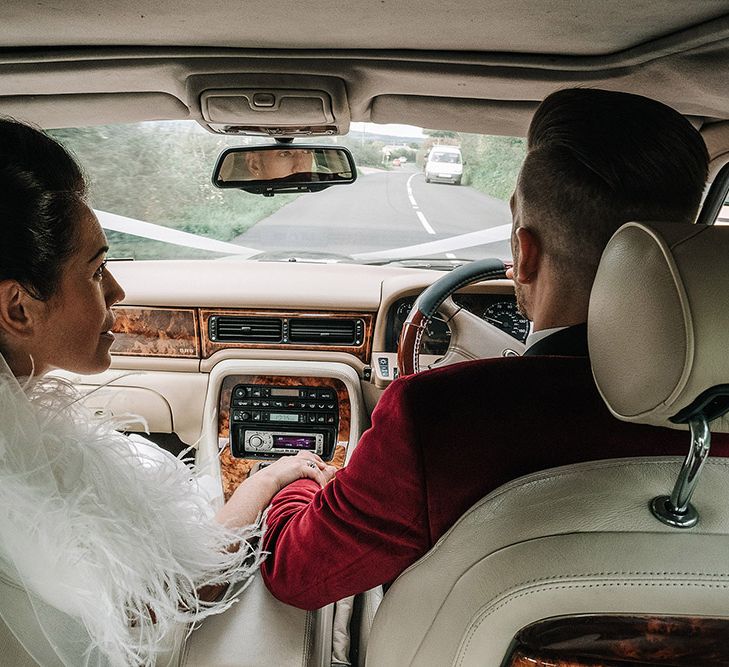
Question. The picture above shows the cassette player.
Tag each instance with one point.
(268, 421)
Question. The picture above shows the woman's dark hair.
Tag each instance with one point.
(41, 191)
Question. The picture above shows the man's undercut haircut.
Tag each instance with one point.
(598, 159)
(41, 192)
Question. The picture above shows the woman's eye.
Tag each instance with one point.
(99, 273)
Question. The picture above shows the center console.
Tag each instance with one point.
(255, 411)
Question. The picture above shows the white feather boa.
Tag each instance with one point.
(111, 535)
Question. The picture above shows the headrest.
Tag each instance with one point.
(658, 325)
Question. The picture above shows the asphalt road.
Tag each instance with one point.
(378, 212)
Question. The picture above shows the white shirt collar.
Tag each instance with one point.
(536, 336)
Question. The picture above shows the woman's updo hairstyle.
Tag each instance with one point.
(41, 192)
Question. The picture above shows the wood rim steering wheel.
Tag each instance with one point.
(438, 297)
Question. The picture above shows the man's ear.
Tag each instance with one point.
(254, 164)
(16, 310)
(528, 255)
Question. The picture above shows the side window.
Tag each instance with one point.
(723, 217)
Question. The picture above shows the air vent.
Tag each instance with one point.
(246, 329)
(326, 331)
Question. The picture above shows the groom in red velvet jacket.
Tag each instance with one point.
(443, 439)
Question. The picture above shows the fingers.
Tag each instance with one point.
(314, 468)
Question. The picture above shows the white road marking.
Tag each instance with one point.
(416, 208)
(425, 223)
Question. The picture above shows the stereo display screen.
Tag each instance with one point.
(284, 417)
(295, 441)
(285, 392)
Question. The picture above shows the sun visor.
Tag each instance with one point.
(83, 109)
(278, 110)
(457, 114)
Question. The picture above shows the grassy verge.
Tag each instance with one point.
(492, 163)
(160, 173)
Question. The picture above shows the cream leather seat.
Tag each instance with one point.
(583, 540)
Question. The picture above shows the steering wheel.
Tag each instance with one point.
(471, 337)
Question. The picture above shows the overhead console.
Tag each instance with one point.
(275, 105)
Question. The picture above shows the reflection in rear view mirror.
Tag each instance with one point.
(284, 168)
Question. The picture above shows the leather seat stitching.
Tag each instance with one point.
(564, 471)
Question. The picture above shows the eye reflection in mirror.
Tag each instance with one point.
(267, 165)
(266, 169)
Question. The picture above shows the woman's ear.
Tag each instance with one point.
(16, 310)
(527, 256)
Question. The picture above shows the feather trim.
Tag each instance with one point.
(106, 530)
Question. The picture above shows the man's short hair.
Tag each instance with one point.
(598, 159)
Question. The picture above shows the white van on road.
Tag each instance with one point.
(444, 165)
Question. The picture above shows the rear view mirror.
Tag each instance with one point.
(266, 170)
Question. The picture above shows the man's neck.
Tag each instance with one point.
(554, 310)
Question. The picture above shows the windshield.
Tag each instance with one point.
(150, 185)
(452, 158)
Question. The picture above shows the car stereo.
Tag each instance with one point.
(268, 421)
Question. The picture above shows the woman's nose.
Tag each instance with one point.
(114, 291)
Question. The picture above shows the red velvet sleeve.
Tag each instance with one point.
(364, 527)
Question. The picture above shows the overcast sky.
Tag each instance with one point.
(391, 129)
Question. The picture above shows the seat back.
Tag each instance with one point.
(568, 541)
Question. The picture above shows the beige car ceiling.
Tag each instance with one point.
(470, 66)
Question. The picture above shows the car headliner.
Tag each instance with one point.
(473, 66)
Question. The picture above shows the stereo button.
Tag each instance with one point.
(256, 441)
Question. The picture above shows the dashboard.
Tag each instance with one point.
(184, 347)
(497, 309)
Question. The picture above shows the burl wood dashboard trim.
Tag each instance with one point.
(182, 332)
(233, 470)
(621, 640)
(156, 332)
(362, 352)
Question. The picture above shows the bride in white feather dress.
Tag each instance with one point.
(106, 544)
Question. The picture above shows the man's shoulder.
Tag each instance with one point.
(495, 372)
